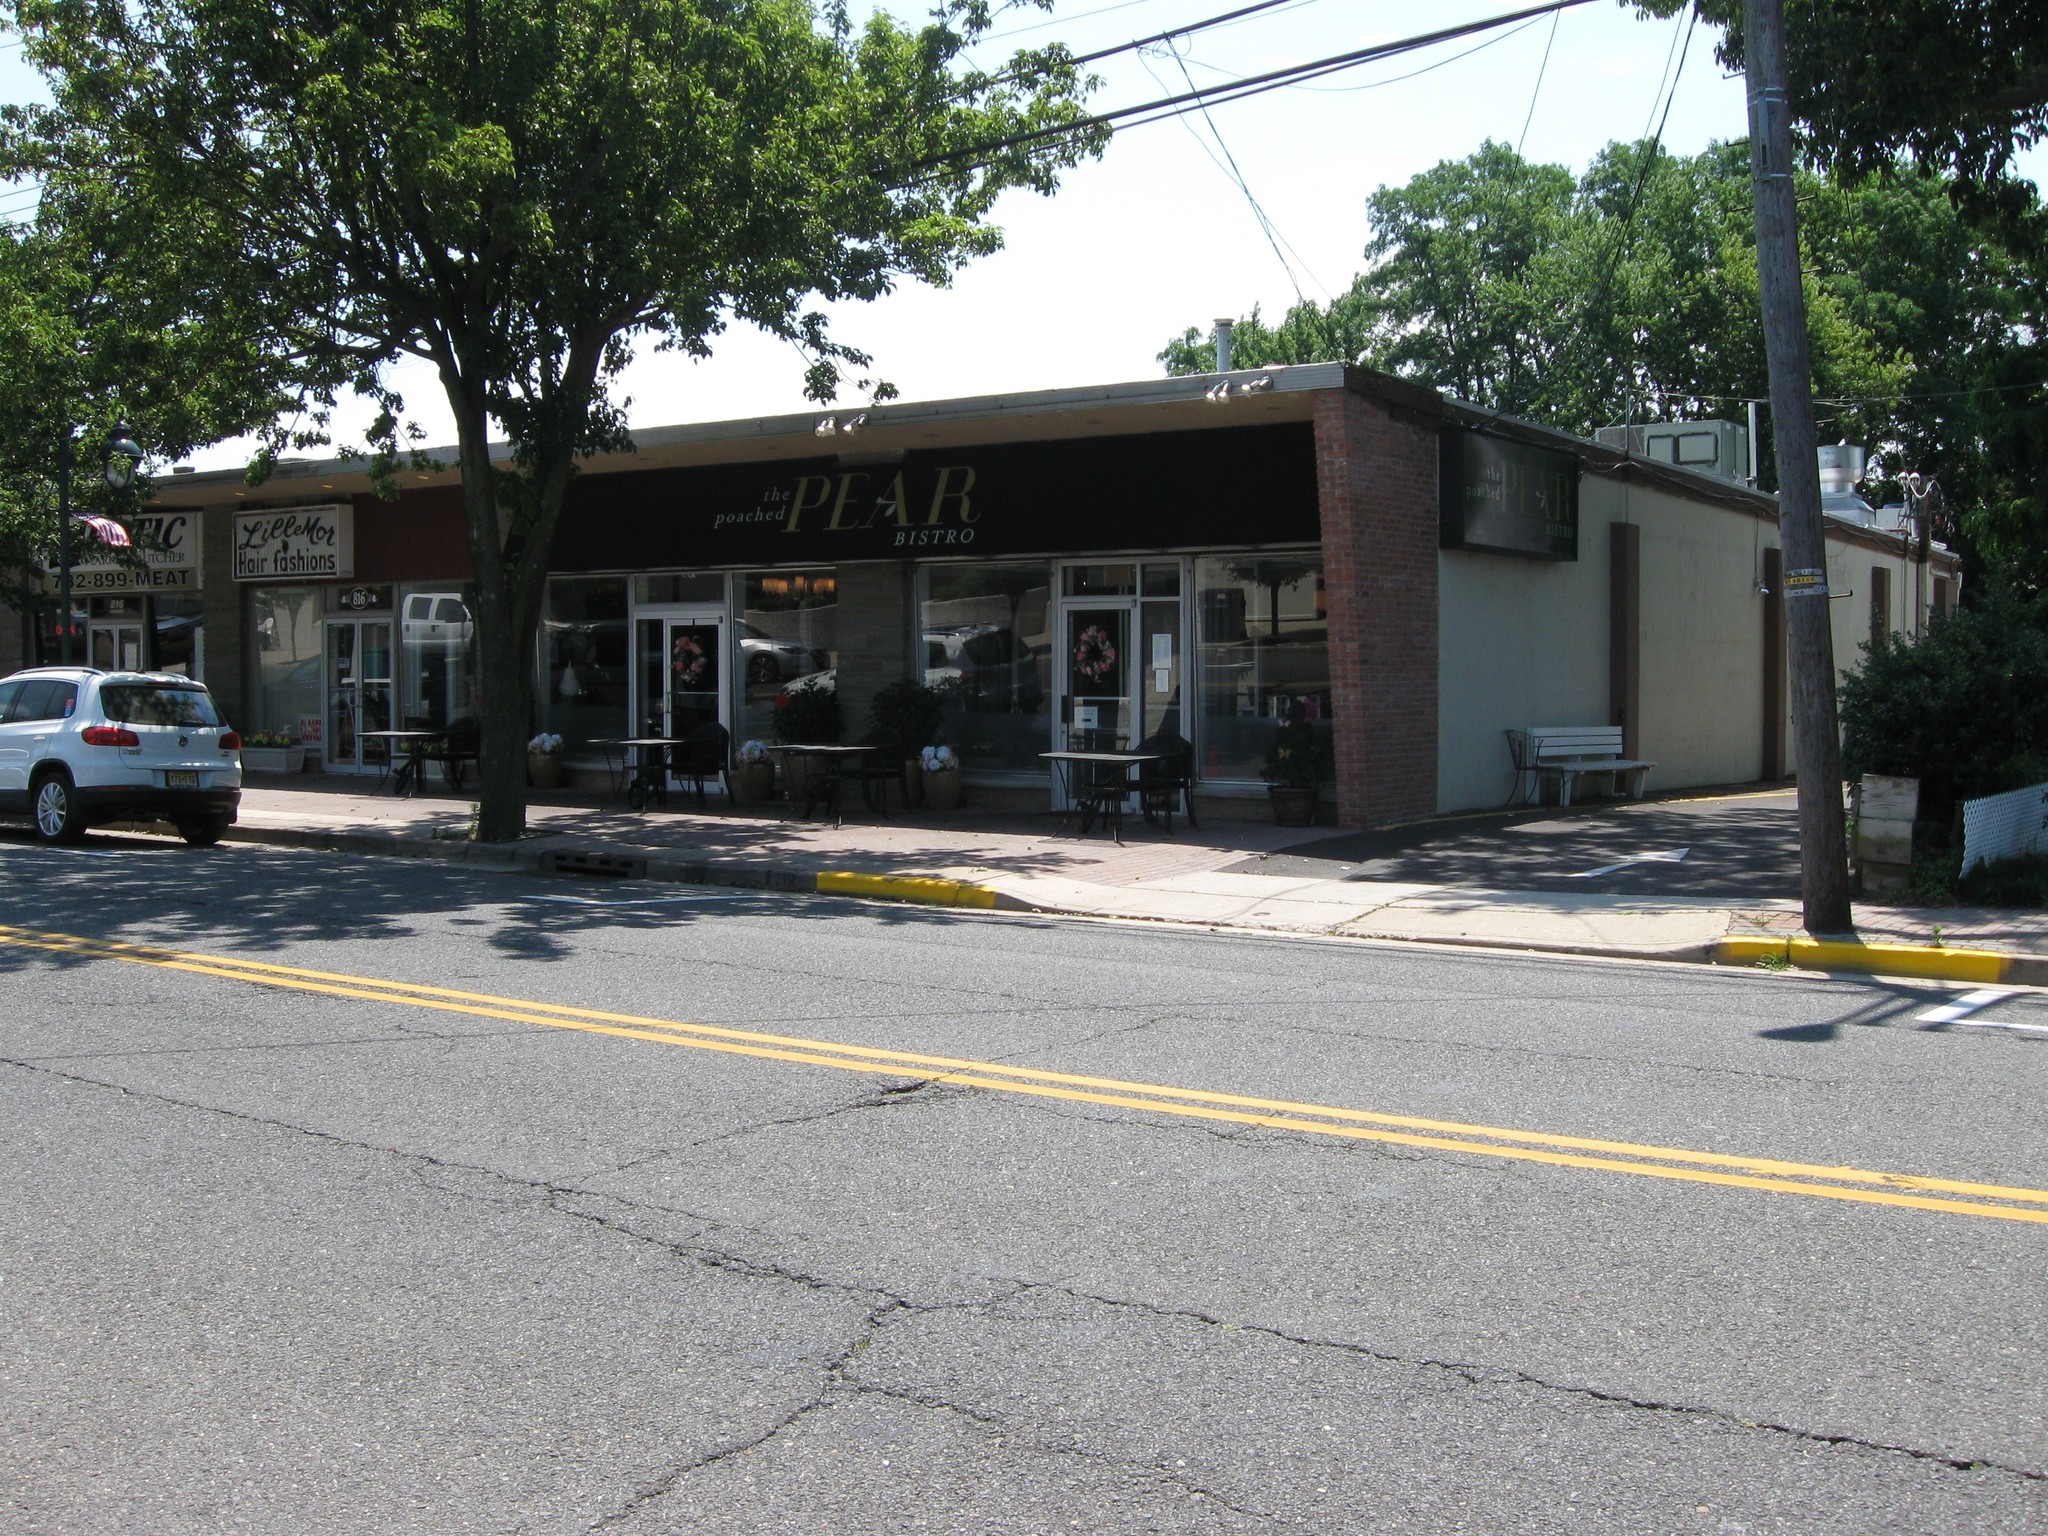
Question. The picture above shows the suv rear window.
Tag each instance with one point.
(158, 704)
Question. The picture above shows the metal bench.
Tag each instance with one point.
(1564, 752)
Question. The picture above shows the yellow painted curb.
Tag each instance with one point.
(1938, 963)
(940, 893)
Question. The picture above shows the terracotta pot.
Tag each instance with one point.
(1294, 805)
(755, 783)
(544, 769)
(941, 789)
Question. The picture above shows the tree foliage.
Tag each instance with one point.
(518, 191)
(1630, 294)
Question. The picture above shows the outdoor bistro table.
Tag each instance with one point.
(406, 781)
(644, 760)
(1101, 792)
(822, 780)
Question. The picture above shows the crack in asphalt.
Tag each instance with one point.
(889, 1304)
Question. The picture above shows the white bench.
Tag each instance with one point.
(1566, 751)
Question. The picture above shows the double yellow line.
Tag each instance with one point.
(1959, 1197)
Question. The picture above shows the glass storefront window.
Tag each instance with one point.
(1100, 580)
(437, 650)
(987, 644)
(1262, 640)
(788, 629)
(177, 640)
(285, 657)
(679, 587)
(584, 677)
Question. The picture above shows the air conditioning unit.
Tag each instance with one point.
(1711, 447)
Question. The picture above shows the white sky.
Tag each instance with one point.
(1156, 236)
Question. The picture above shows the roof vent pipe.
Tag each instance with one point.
(1841, 466)
(1223, 328)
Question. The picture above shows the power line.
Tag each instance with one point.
(1154, 111)
(1541, 70)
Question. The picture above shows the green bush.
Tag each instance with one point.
(807, 713)
(1301, 756)
(914, 711)
(1963, 709)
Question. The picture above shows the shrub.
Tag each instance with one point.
(1963, 709)
(1301, 755)
(807, 713)
(913, 710)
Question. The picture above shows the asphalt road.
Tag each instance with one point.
(499, 1204)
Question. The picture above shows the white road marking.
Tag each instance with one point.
(1664, 856)
(1964, 1006)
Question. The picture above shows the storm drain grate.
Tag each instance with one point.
(601, 866)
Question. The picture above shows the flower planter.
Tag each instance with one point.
(913, 783)
(941, 789)
(544, 769)
(1294, 805)
(754, 783)
(273, 759)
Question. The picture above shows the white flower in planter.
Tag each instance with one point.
(753, 752)
(939, 759)
(547, 744)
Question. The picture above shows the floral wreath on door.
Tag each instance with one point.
(1094, 654)
(688, 661)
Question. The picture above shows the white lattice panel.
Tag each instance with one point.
(2005, 826)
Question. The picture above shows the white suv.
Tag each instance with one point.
(80, 747)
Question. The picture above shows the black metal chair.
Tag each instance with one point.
(1100, 790)
(1160, 783)
(706, 753)
(458, 747)
(882, 767)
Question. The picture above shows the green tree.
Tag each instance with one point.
(519, 191)
(1631, 294)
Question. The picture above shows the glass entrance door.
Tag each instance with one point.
(358, 689)
(680, 671)
(1122, 666)
(116, 647)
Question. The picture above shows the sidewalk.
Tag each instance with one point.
(1246, 874)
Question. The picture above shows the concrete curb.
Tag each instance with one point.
(1930, 962)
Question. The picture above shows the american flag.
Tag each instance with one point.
(110, 532)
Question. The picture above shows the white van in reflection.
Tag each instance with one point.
(436, 617)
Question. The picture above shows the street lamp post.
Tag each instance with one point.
(122, 455)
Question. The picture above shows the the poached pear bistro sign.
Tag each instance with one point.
(1507, 498)
(296, 544)
(1227, 489)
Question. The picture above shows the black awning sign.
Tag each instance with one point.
(1507, 498)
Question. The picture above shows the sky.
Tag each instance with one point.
(1159, 235)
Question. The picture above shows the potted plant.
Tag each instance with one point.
(544, 760)
(1298, 763)
(272, 752)
(754, 777)
(915, 712)
(940, 770)
(806, 714)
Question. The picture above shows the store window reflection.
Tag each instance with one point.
(584, 666)
(788, 631)
(285, 654)
(438, 637)
(1262, 631)
(987, 645)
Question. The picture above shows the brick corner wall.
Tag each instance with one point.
(1376, 484)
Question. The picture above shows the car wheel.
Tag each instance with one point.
(763, 670)
(58, 816)
(202, 831)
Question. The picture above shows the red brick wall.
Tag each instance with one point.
(1376, 482)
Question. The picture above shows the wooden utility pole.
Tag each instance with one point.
(1823, 842)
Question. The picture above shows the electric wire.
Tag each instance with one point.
(1541, 70)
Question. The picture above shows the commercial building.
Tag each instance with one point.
(1208, 556)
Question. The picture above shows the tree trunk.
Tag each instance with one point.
(1823, 845)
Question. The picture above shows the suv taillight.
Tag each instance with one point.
(230, 742)
(109, 736)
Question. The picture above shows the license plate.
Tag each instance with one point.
(181, 778)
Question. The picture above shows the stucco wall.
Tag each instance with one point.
(1520, 643)
(1526, 643)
